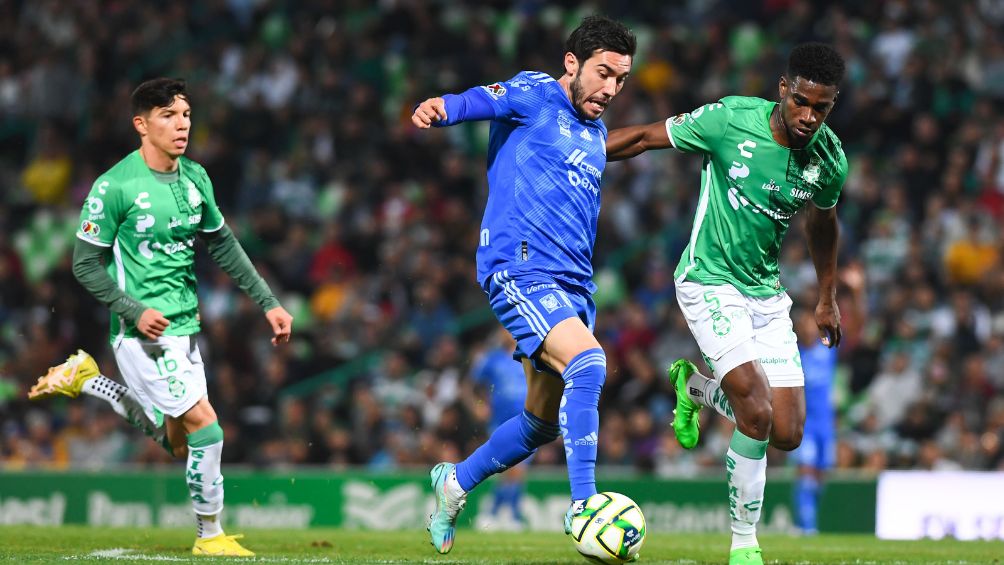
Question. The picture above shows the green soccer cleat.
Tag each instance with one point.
(746, 556)
(443, 522)
(686, 424)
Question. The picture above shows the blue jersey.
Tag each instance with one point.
(506, 382)
(819, 364)
(544, 169)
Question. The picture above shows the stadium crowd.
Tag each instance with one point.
(367, 230)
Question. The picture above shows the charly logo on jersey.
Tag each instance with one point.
(194, 196)
(141, 200)
(564, 123)
(495, 90)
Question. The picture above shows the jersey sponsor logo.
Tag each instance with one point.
(175, 222)
(585, 135)
(485, 237)
(144, 249)
(739, 170)
(95, 205)
(90, 229)
(495, 90)
(771, 186)
(194, 196)
(678, 119)
(141, 200)
(801, 194)
(144, 222)
(194, 219)
(564, 124)
(549, 302)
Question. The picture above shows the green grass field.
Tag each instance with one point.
(68, 544)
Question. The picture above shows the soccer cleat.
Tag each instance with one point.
(221, 546)
(746, 556)
(67, 379)
(574, 510)
(686, 421)
(443, 522)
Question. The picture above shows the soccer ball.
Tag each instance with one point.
(610, 529)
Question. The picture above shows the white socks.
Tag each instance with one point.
(746, 468)
(709, 394)
(204, 478)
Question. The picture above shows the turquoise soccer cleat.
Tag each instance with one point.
(443, 522)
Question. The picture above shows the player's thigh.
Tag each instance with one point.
(543, 392)
(776, 342)
(720, 322)
(549, 323)
(162, 371)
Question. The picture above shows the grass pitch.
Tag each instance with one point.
(150, 545)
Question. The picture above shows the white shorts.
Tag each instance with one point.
(732, 328)
(167, 375)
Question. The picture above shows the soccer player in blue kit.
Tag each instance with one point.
(496, 371)
(817, 452)
(546, 154)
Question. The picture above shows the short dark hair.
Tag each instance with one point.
(817, 62)
(600, 32)
(157, 93)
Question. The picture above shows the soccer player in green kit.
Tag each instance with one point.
(763, 161)
(141, 218)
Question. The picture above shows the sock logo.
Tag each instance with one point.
(589, 439)
(696, 392)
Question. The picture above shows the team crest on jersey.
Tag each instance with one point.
(194, 197)
(564, 123)
(89, 229)
(810, 173)
(495, 90)
(550, 302)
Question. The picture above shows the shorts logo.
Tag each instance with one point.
(550, 302)
(90, 229)
(720, 323)
(175, 387)
(495, 90)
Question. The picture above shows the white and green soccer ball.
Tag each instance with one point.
(610, 529)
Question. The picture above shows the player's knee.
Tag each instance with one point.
(754, 417)
(786, 440)
(587, 370)
(537, 431)
(180, 451)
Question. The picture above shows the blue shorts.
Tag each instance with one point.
(529, 305)
(818, 449)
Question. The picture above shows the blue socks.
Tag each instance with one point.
(806, 502)
(579, 418)
(511, 443)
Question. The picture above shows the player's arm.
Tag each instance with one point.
(823, 234)
(469, 106)
(227, 252)
(89, 270)
(624, 143)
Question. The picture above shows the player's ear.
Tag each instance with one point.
(139, 122)
(571, 64)
(782, 87)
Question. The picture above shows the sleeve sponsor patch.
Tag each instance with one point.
(90, 229)
(495, 90)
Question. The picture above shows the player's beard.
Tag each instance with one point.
(578, 96)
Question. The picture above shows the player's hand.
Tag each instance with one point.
(152, 323)
(828, 322)
(432, 110)
(282, 324)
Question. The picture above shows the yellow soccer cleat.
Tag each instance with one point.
(221, 546)
(67, 379)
